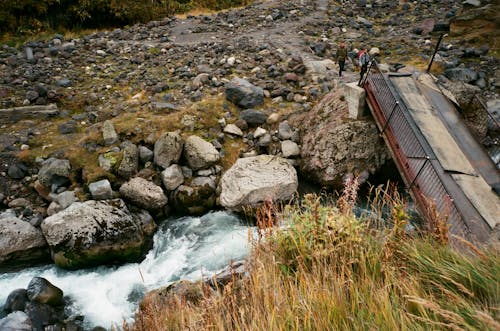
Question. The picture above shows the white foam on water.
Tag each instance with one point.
(184, 248)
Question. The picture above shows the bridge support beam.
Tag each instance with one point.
(355, 97)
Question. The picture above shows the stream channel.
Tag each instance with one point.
(184, 248)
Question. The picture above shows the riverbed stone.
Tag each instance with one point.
(21, 243)
(91, 233)
(16, 301)
(200, 153)
(42, 291)
(16, 321)
(144, 194)
(253, 180)
(289, 149)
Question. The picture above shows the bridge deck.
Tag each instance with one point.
(442, 163)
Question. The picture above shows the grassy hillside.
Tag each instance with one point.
(328, 270)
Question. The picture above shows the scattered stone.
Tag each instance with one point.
(144, 194)
(172, 177)
(145, 154)
(168, 149)
(101, 190)
(259, 132)
(462, 74)
(109, 134)
(289, 149)
(234, 130)
(129, 164)
(19, 203)
(285, 131)
(65, 199)
(253, 117)
(244, 94)
(54, 171)
(200, 153)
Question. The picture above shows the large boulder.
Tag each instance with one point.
(144, 194)
(21, 244)
(97, 232)
(54, 172)
(253, 180)
(333, 147)
(42, 291)
(244, 94)
(168, 149)
(129, 164)
(465, 75)
(200, 153)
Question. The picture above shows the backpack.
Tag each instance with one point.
(364, 59)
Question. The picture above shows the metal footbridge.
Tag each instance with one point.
(445, 168)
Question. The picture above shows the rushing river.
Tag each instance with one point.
(184, 248)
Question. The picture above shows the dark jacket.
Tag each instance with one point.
(341, 54)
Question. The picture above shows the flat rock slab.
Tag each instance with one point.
(12, 115)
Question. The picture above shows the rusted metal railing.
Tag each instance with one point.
(412, 154)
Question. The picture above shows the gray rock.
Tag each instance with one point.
(289, 149)
(194, 200)
(285, 131)
(53, 208)
(462, 74)
(252, 116)
(66, 198)
(472, 3)
(15, 172)
(200, 153)
(130, 162)
(42, 291)
(20, 243)
(109, 133)
(200, 80)
(172, 177)
(253, 180)
(145, 154)
(16, 321)
(16, 301)
(244, 94)
(63, 82)
(101, 190)
(96, 232)
(168, 149)
(144, 194)
(265, 140)
(233, 130)
(52, 170)
(204, 180)
(187, 172)
(19, 203)
(259, 132)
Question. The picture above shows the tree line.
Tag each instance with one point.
(32, 16)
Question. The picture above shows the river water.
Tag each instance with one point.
(184, 248)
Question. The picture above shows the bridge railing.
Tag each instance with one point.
(412, 154)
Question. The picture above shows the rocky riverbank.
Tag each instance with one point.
(104, 135)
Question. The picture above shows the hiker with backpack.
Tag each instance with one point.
(341, 57)
(364, 60)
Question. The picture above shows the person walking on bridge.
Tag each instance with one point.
(364, 60)
(341, 57)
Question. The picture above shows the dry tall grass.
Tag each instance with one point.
(328, 270)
